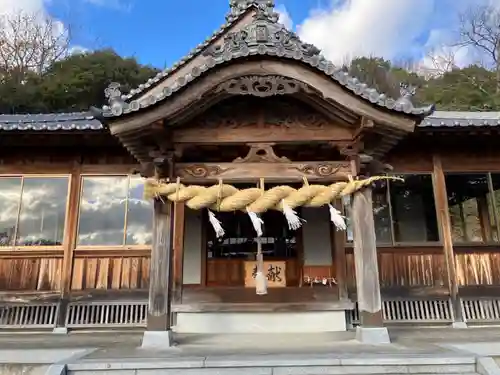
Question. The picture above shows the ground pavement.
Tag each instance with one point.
(92, 352)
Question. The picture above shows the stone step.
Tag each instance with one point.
(279, 365)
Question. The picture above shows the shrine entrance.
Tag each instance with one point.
(238, 250)
(256, 103)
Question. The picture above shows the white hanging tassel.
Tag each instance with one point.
(260, 276)
(294, 221)
(336, 218)
(257, 222)
(219, 231)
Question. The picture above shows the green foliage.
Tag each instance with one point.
(469, 89)
(72, 84)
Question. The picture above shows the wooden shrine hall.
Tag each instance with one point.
(253, 107)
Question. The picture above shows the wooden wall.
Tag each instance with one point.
(69, 270)
(66, 269)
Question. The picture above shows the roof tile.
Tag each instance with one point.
(50, 121)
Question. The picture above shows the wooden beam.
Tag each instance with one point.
(365, 255)
(199, 133)
(159, 307)
(441, 198)
(271, 172)
(178, 256)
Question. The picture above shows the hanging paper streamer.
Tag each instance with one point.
(260, 276)
(257, 222)
(336, 218)
(216, 224)
(293, 220)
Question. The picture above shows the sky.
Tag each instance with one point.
(159, 32)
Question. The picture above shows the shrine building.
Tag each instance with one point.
(252, 106)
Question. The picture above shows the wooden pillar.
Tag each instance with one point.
(441, 198)
(159, 333)
(337, 241)
(69, 243)
(178, 256)
(371, 329)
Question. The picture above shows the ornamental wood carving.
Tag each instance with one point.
(261, 120)
(262, 86)
(261, 153)
(271, 172)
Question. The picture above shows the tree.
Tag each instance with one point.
(383, 75)
(480, 32)
(30, 43)
(78, 82)
(467, 89)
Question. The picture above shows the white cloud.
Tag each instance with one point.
(8, 7)
(285, 18)
(350, 28)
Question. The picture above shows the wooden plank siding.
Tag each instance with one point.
(36, 272)
(404, 268)
(110, 273)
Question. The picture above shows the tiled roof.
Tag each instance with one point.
(239, 8)
(264, 36)
(86, 121)
(50, 121)
(461, 119)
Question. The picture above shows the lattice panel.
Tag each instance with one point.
(106, 314)
(412, 311)
(482, 310)
(29, 316)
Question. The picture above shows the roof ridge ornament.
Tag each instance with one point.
(265, 34)
(238, 7)
(115, 99)
(406, 92)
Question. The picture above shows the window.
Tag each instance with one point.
(32, 210)
(404, 212)
(113, 212)
(473, 205)
(413, 209)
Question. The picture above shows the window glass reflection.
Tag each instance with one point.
(43, 211)
(494, 205)
(409, 216)
(10, 198)
(469, 208)
(413, 209)
(113, 213)
(139, 215)
(381, 213)
(102, 211)
(32, 210)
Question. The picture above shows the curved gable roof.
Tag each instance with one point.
(264, 36)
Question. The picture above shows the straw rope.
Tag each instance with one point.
(227, 198)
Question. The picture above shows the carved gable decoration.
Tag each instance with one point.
(260, 120)
(262, 86)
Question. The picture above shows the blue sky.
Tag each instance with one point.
(155, 31)
(159, 32)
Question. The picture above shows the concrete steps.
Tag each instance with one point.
(280, 365)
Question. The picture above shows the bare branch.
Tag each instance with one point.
(31, 42)
(480, 31)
